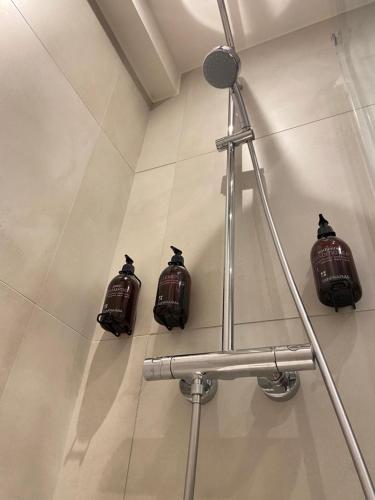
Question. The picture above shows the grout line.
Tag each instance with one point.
(10, 370)
(270, 134)
(179, 161)
(135, 420)
(65, 224)
(272, 320)
(328, 117)
(157, 166)
(38, 306)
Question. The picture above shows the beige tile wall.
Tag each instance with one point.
(312, 155)
(72, 125)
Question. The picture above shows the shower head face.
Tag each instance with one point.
(221, 67)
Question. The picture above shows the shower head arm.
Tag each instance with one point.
(226, 24)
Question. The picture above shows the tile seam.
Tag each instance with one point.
(271, 134)
(135, 421)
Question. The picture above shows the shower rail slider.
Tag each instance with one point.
(236, 139)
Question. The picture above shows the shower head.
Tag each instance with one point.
(221, 67)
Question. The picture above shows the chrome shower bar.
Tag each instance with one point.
(351, 441)
(227, 343)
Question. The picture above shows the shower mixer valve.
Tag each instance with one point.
(275, 367)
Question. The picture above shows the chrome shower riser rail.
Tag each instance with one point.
(227, 342)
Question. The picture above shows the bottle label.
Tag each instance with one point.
(116, 298)
(333, 264)
(117, 291)
(170, 290)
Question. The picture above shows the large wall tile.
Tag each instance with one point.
(142, 237)
(243, 437)
(163, 133)
(293, 80)
(37, 406)
(349, 345)
(15, 312)
(46, 141)
(196, 226)
(319, 168)
(100, 437)
(76, 281)
(205, 117)
(74, 37)
(356, 51)
(126, 118)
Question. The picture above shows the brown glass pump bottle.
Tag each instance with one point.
(120, 304)
(335, 274)
(173, 294)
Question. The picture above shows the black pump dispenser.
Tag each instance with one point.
(173, 293)
(120, 305)
(177, 258)
(127, 268)
(324, 229)
(335, 273)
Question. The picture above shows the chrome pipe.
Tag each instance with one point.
(260, 362)
(226, 24)
(191, 466)
(227, 343)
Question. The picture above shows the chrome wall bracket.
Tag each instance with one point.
(280, 386)
(209, 387)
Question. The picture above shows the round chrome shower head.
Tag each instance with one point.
(221, 67)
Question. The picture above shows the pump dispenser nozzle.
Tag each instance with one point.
(322, 220)
(324, 228)
(128, 268)
(177, 258)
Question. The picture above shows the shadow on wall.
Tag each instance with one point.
(242, 442)
(106, 373)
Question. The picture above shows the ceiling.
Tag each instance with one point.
(181, 32)
(193, 27)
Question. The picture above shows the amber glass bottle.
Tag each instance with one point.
(173, 294)
(335, 274)
(120, 305)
